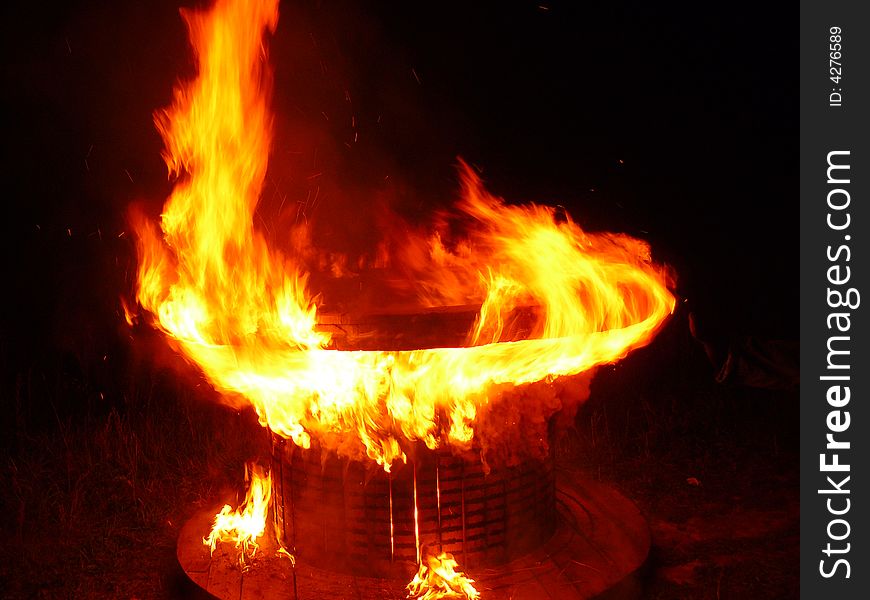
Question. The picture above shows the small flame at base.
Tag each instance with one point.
(438, 579)
(247, 523)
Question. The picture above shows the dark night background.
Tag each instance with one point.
(675, 122)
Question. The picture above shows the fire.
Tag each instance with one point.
(438, 579)
(247, 523)
(243, 313)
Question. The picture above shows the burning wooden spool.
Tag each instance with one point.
(357, 531)
(241, 308)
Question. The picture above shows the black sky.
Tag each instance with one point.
(675, 122)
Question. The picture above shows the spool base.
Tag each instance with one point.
(601, 541)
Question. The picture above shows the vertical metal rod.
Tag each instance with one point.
(416, 518)
(438, 499)
(279, 514)
(292, 454)
(392, 527)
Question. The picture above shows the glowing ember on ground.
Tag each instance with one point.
(247, 523)
(438, 579)
(243, 313)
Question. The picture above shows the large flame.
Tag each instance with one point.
(243, 313)
(438, 579)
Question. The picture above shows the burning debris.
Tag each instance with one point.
(242, 311)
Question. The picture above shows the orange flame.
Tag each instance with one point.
(247, 523)
(438, 579)
(243, 313)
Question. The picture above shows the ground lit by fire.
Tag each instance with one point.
(242, 311)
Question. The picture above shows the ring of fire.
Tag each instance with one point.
(242, 312)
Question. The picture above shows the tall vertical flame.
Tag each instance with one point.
(242, 312)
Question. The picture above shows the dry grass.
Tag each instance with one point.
(97, 486)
